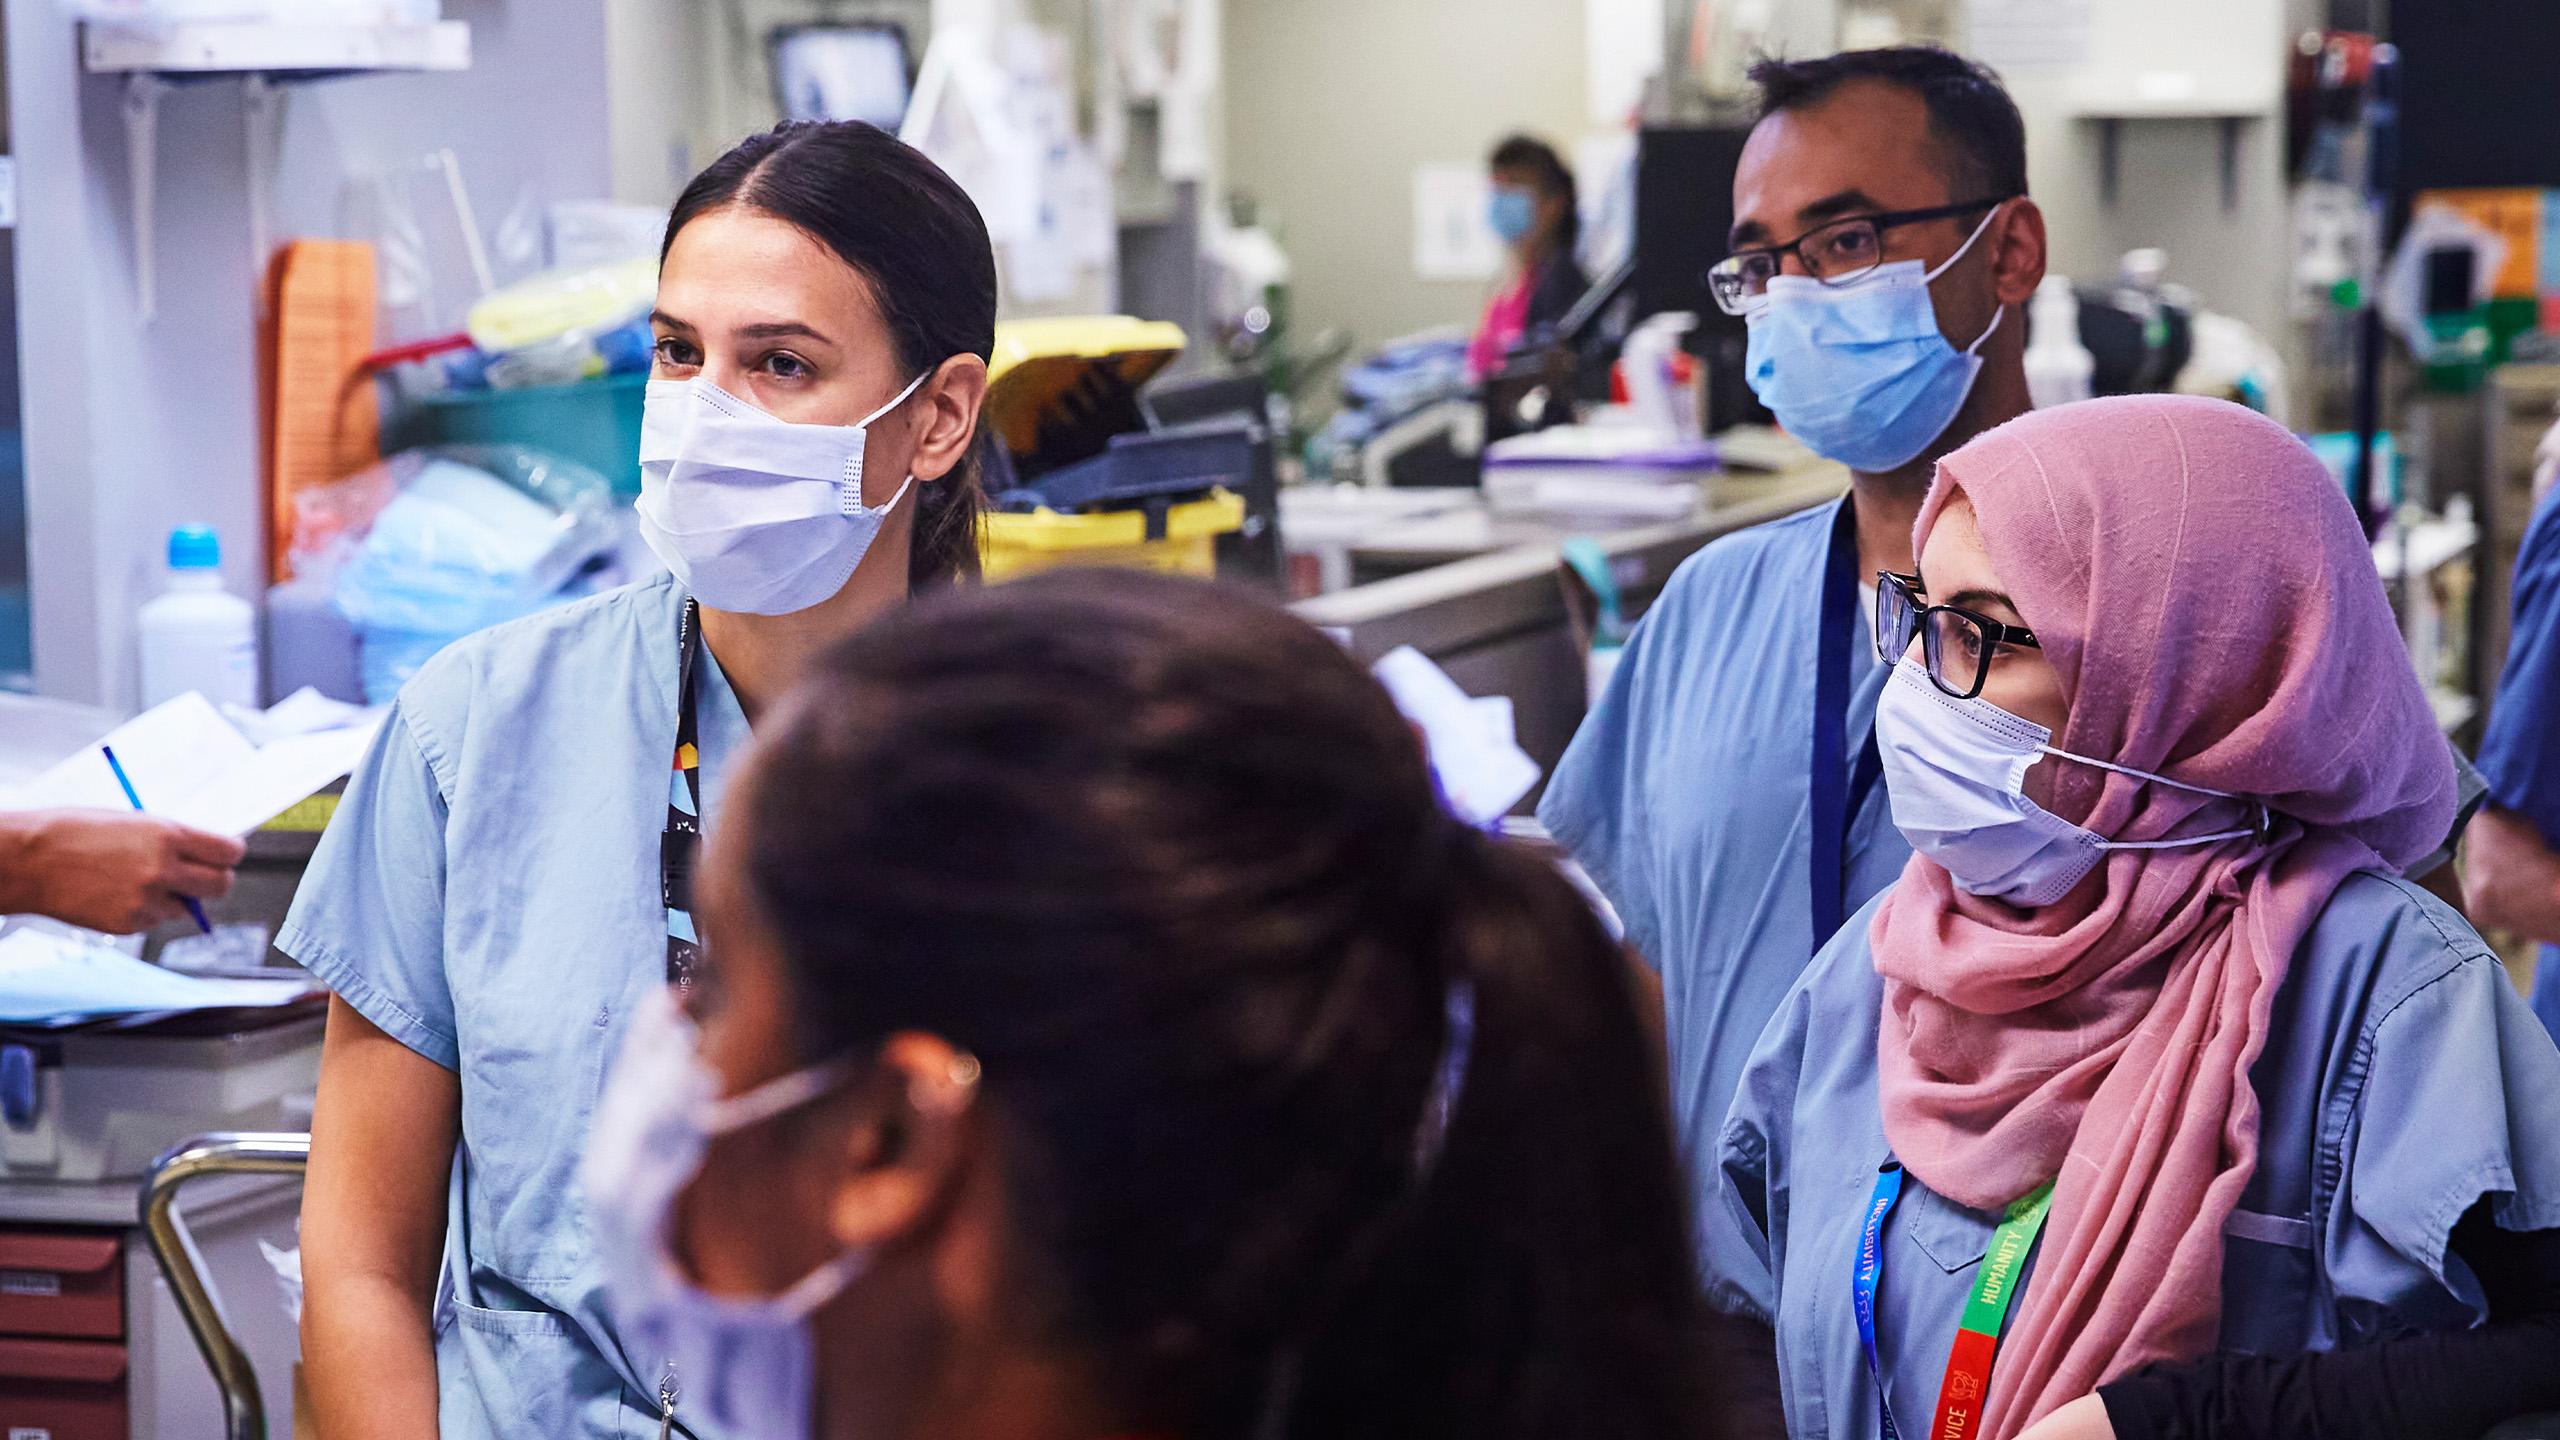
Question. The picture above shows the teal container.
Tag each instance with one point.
(593, 422)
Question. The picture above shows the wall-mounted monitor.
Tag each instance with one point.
(851, 70)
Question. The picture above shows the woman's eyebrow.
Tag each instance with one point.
(1974, 599)
(777, 329)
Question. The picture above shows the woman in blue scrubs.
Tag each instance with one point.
(510, 873)
(1115, 1039)
(2153, 1100)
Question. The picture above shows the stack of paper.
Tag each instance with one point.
(49, 979)
(191, 765)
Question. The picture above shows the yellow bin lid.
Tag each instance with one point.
(1038, 362)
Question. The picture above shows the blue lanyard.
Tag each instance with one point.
(1837, 794)
(1870, 1271)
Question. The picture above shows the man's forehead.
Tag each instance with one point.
(1869, 137)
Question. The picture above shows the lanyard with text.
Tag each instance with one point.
(681, 844)
(1986, 1307)
(1869, 1272)
(1837, 794)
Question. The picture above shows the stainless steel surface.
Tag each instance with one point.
(243, 1408)
(1497, 622)
(1482, 598)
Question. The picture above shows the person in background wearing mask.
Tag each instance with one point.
(104, 871)
(1106, 1033)
(1722, 792)
(2513, 871)
(1538, 216)
(510, 875)
(2151, 1100)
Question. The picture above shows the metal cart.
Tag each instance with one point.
(244, 1409)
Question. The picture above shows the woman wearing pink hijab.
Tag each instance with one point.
(2152, 1101)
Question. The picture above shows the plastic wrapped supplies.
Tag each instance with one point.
(432, 545)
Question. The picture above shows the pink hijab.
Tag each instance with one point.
(2200, 584)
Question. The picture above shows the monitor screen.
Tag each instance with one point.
(853, 71)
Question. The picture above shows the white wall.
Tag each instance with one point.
(656, 83)
(1332, 104)
(130, 428)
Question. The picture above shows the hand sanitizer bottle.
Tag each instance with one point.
(196, 635)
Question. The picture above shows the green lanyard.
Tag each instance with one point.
(1986, 1310)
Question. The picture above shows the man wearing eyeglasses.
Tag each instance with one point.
(1724, 791)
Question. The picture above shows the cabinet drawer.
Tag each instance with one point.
(61, 1284)
(63, 1390)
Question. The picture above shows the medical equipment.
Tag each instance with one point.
(1085, 481)
(101, 1099)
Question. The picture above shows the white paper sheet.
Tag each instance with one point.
(167, 752)
(191, 765)
(1482, 771)
(46, 978)
(271, 781)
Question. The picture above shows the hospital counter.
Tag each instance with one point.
(1496, 620)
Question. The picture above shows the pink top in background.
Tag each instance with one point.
(1506, 319)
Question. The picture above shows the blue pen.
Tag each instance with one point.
(117, 766)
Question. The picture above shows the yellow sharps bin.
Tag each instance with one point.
(1081, 481)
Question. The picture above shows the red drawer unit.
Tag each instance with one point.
(63, 1389)
(61, 1284)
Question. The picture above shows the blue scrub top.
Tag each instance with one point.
(1687, 795)
(2403, 1081)
(488, 895)
(2520, 754)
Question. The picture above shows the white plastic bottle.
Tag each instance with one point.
(2059, 367)
(197, 635)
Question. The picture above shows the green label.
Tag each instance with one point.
(1997, 1286)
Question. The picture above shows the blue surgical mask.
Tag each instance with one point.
(1859, 371)
(1512, 213)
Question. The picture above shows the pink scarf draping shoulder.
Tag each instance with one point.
(2200, 584)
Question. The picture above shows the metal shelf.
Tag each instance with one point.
(280, 51)
(262, 58)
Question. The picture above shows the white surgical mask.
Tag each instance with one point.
(737, 1366)
(1955, 772)
(754, 514)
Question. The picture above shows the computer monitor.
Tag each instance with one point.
(1684, 207)
(847, 70)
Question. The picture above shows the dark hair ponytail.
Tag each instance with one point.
(1541, 1285)
(1172, 866)
(919, 244)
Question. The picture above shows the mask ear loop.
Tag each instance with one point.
(803, 1297)
(2262, 816)
(1997, 311)
(849, 497)
(903, 396)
